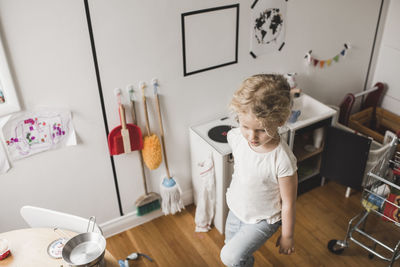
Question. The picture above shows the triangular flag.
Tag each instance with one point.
(322, 63)
(308, 59)
(336, 58)
(343, 52)
(328, 62)
(316, 62)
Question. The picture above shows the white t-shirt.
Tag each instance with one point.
(253, 194)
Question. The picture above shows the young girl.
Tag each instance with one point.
(263, 191)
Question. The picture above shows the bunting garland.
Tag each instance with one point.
(312, 61)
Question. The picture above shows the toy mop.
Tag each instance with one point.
(169, 189)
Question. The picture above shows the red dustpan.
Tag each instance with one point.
(126, 137)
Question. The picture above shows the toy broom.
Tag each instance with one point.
(151, 144)
(169, 189)
(149, 201)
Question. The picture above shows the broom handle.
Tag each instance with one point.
(146, 115)
(162, 136)
(122, 116)
(140, 152)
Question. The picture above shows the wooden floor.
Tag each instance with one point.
(323, 214)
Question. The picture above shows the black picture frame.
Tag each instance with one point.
(187, 70)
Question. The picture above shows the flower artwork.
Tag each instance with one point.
(31, 133)
(35, 131)
(2, 99)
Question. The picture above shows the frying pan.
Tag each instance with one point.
(126, 137)
(86, 249)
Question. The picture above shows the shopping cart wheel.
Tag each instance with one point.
(334, 247)
(370, 256)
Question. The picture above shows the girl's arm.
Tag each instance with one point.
(288, 189)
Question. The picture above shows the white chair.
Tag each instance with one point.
(40, 217)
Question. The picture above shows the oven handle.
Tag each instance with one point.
(230, 158)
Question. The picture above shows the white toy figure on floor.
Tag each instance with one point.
(133, 256)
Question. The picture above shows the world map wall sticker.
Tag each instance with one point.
(268, 26)
(317, 62)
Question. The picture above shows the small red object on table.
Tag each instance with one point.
(4, 250)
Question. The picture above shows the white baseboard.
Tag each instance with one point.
(130, 220)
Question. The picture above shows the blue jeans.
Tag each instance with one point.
(242, 240)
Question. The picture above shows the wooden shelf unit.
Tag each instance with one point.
(301, 153)
(308, 162)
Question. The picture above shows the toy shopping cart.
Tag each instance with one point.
(380, 196)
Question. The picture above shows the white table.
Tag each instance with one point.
(29, 249)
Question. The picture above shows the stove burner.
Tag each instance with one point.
(219, 133)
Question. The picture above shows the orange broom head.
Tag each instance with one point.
(152, 151)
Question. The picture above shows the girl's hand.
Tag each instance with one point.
(286, 245)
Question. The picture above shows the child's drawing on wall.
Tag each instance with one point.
(2, 100)
(4, 164)
(31, 133)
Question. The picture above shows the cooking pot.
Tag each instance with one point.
(86, 249)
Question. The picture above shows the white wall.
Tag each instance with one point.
(129, 52)
(49, 51)
(388, 60)
(48, 48)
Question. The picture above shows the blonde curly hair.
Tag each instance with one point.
(267, 96)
